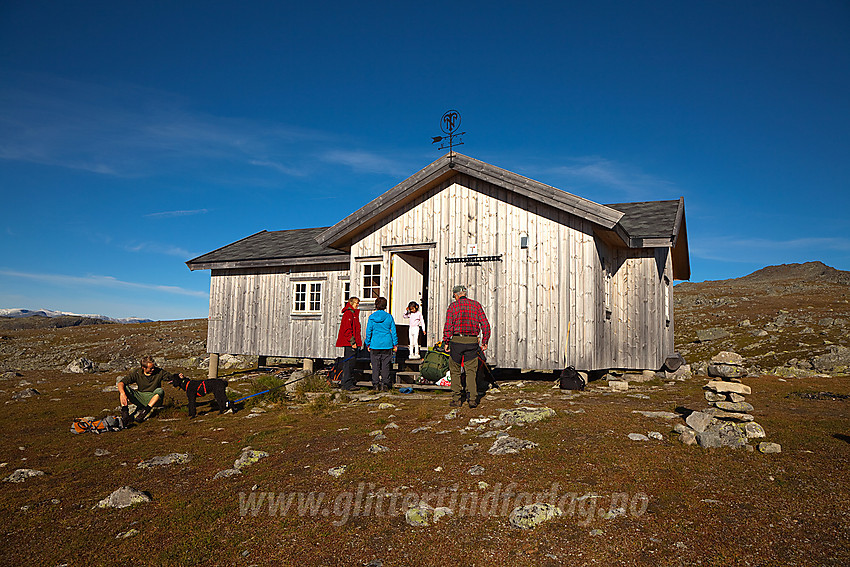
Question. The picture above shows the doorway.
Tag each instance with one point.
(408, 282)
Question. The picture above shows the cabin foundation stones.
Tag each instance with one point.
(727, 422)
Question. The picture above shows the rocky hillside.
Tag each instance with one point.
(790, 320)
(41, 322)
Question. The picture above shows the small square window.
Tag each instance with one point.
(307, 297)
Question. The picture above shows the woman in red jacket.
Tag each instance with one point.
(349, 339)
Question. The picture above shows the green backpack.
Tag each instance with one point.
(434, 366)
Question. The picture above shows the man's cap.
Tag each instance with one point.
(459, 289)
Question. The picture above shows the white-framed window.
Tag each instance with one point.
(346, 291)
(371, 280)
(307, 297)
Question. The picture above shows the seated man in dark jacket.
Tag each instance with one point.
(149, 392)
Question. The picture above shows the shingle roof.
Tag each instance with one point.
(648, 219)
(269, 248)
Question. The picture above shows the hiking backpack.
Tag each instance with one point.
(434, 366)
(571, 379)
(108, 423)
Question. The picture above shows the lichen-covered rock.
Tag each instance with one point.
(81, 365)
(170, 459)
(726, 371)
(768, 448)
(752, 430)
(476, 470)
(124, 497)
(423, 515)
(226, 473)
(337, 472)
(726, 357)
(740, 407)
(525, 415)
(20, 475)
(837, 360)
(712, 334)
(531, 516)
(508, 445)
(618, 385)
(638, 437)
(375, 448)
(681, 373)
(711, 396)
(385, 406)
(248, 457)
(722, 434)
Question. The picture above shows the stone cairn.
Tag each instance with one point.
(727, 423)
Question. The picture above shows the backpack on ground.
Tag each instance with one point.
(108, 423)
(434, 366)
(571, 379)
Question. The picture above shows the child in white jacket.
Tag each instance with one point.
(416, 322)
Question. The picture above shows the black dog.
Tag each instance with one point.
(197, 388)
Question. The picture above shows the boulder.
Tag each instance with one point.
(226, 473)
(248, 457)
(728, 415)
(20, 475)
(768, 448)
(741, 407)
(711, 396)
(638, 437)
(508, 445)
(525, 415)
(837, 360)
(423, 515)
(699, 421)
(688, 437)
(727, 365)
(681, 373)
(23, 394)
(721, 387)
(726, 357)
(531, 516)
(476, 470)
(375, 448)
(712, 334)
(722, 434)
(618, 385)
(170, 459)
(81, 365)
(337, 472)
(124, 497)
(752, 430)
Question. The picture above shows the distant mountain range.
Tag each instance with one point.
(19, 313)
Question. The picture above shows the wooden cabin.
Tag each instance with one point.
(563, 280)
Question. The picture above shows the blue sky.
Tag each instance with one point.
(137, 135)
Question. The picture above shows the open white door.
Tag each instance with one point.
(406, 283)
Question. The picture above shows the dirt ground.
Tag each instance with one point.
(625, 502)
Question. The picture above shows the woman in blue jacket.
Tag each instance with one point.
(382, 340)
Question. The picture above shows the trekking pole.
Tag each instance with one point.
(269, 390)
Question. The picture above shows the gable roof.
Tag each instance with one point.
(644, 224)
(651, 224)
(277, 248)
(446, 167)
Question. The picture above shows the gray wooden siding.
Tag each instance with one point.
(533, 294)
(251, 312)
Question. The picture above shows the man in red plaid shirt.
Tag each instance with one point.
(464, 320)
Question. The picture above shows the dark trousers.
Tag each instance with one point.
(381, 358)
(464, 349)
(348, 356)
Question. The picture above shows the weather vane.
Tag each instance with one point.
(449, 124)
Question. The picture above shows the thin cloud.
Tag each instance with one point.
(364, 161)
(100, 281)
(129, 131)
(173, 214)
(157, 248)
(601, 173)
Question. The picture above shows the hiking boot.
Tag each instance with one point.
(125, 414)
(142, 414)
(473, 403)
(455, 404)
